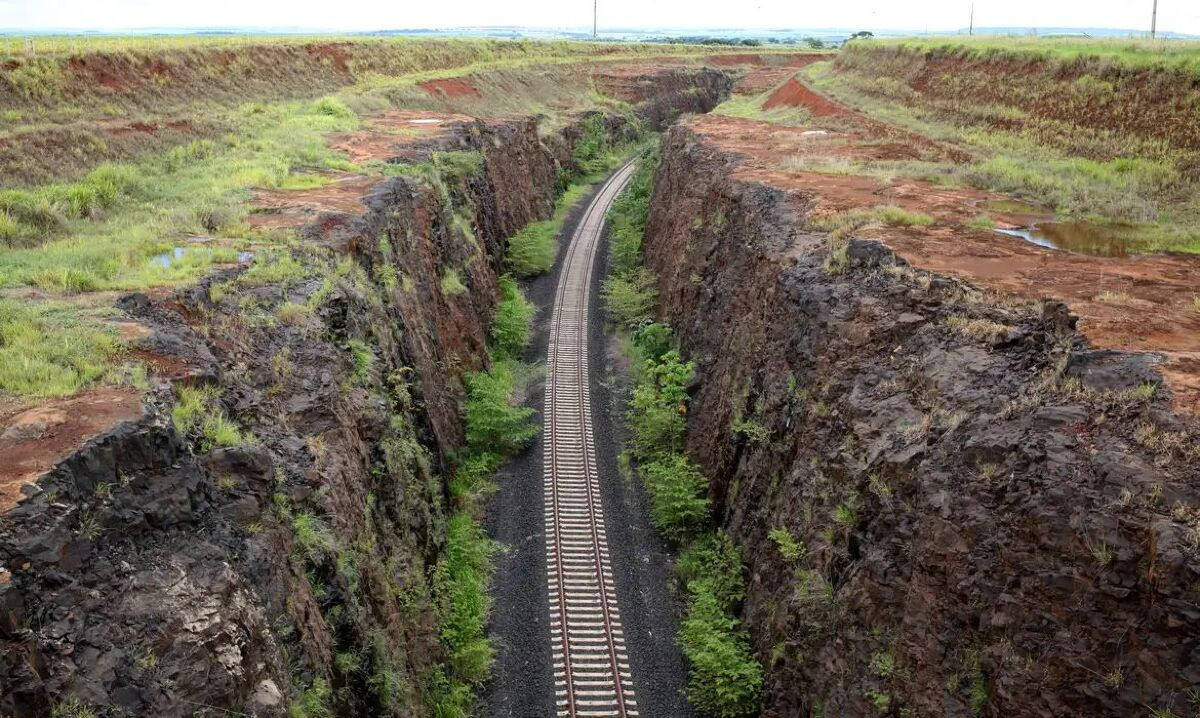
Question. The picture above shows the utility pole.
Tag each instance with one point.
(596, 15)
(971, 27)
(1154, 20)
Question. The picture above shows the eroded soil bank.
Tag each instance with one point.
(996, 518)
(149, 573)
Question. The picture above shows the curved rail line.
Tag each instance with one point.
(591, 667)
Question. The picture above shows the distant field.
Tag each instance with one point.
(60, 45)
(1132, 52)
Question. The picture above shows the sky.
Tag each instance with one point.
(350, 15)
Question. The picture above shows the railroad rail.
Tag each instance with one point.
(592, 676)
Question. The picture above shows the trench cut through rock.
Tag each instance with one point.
(592, 676)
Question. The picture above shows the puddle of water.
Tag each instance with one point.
(1100, 240)
(813, 132)
(244, 257)
(425, 121)
(164, 260)
(1014, 206)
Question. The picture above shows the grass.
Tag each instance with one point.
(791, 549)
(1110, 173)
(198, 413)
(750, 107)
(50, 349)
(451, 284)
(1133, 52)
(532, 251)
(314, 702)
(118, 227)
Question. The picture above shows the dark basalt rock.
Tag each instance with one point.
(1020, 534)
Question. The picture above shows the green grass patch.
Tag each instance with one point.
(532, 251)
(1132, 52)
(751, 107)
(198, 414)
(452, 284)
(53, 348)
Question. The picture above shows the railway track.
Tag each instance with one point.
(592, 676)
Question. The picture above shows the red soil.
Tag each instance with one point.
(793, 93)
(450, 88)
(1154, 310)
(33, 440)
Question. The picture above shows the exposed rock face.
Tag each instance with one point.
(150, 574)
(994, 523)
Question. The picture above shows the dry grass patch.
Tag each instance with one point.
(984, 330)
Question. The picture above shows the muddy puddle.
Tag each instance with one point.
(1100, 240)
(168, 259)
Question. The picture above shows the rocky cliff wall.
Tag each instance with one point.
(994, 518)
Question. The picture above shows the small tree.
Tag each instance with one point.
(862, 35)
(814, 42)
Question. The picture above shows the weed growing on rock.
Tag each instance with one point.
(314, 702)
(451, 284)
(791, 549)
(72, 708)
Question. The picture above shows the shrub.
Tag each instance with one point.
(592, 151)
(724, 679)
(630, 298)
(462, 578)
(678, 491)
(532, 250)
(333, 107)
(629, 212)
(513, 321)
(493, 423)
(656, 409)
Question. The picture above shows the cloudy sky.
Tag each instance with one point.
(1176, 15)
